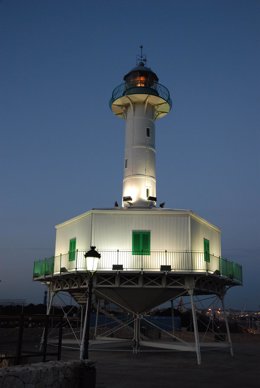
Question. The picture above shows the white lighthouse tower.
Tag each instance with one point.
(140, 100)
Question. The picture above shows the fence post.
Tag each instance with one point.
(45, 338)
(20, 340)
(60, 340)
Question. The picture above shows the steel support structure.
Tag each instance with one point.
(174, 284)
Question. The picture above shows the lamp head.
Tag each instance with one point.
(92, 258)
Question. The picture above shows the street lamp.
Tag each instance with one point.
(92, 259)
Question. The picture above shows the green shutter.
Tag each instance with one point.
(72, 249)
(206, 251)
(136, 243)
(141, 242)
(146, 243)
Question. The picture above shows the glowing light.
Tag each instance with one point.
(131, 191)
(141, 81)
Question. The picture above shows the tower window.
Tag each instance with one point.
(147, 193)
(148, 134)
(206, 251)
(125, 163)
(141, 242)
(72, 249)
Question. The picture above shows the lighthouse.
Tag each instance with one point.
(140, 100)
(138, 255)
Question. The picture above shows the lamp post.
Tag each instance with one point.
(92, 258)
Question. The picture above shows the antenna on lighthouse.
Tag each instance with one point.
(141, 59)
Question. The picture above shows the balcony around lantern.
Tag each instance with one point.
(160, 96)
(152, 261)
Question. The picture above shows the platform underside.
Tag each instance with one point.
(139, 292)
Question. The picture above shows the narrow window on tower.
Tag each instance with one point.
(148, 134)
(125, 163)
(72, 249)
(147, 193)
(141, 242)
(206, 251)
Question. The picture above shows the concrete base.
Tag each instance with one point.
(53, 374)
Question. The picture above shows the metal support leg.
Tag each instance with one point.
(136, 340)
(227, 327)
(172, 315)
(195, 328)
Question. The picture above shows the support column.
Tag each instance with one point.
(81, 321)
(190, 285)
(227, 326)
(172, 315)
(136, 339)
(195, 327)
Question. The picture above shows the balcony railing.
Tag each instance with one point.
(182, 262)
(156, 89)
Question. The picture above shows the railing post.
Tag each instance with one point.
(77, 251)
(60, 261)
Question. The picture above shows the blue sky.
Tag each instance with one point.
(59, 62)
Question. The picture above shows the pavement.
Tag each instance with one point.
(167, 369)
(118, 368)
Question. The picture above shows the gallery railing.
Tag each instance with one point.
(183, 262)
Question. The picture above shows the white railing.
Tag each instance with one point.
(178, 261)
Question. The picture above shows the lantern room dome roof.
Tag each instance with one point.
(141, 69)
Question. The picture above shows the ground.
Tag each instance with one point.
(179, 369)
(162, 369)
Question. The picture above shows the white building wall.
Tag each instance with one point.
(174, 235)
(79, 228)
(201, 229)
(169, 232)
(114, 231)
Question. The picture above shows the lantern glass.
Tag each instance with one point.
(92, 263)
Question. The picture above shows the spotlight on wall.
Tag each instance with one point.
(166, 268)
(117, 267)
(162, 204)
(127, 198)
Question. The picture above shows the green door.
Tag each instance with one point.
(141, 242)
(206, 250)
(72, 249)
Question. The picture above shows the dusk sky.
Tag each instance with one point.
(61, 148)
